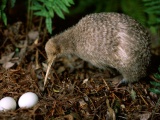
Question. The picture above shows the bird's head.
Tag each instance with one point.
(52, 50)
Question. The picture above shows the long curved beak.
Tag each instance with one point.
(48, 69)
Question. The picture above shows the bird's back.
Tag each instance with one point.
(107, 38)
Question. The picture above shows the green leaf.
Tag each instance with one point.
(42, 13)
(13, 3)
(4, 2)
(51, 13)
(151, 3)
(58, 12)
(49, 25)
(36, 7)
(71, 2)
(128, 7)
(2, 7)
(153, 9)
(51, 1)
(156, 91)
(48, 4)
(156, 84)
(48, 8)
(66, 2)
(61, 5)
(157, 76)
(133, 94)
(4, 18)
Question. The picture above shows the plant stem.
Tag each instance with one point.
(40, 24)
(28, 16)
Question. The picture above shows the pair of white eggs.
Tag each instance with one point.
(27, 100)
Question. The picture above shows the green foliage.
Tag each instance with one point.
(156, 90)
(96, 6)
(47, 9)
(2, 13)
(133, 94)
(3, 4)
(152, 8)
(42, 8)
(124, 6)
(134, 8)
(146, 12)
(12, 3)
(157, 75)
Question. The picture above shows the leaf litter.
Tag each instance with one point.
(75, 89)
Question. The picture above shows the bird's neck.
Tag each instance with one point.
(65, 41)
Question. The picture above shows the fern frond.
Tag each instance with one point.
(12, 2)
(152, 7)
(2, 13)
(47, 8)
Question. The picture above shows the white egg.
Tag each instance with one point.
(7, 103)
(1, 109)
(28, 100)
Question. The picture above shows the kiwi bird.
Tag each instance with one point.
(106, 40)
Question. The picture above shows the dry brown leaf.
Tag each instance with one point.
(145, 116)
(6, 58)
(33, 35)
(8, 65)
(23, 50)
(5, 61)
(60, 69)
(110, 113)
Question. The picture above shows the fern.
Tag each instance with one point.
(12, 2)
(3, 4)
(2, 13)
(47, 9)
(152, 6)
(153, 10)
(42, 8)
(156, 90)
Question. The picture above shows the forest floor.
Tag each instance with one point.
(75, 89)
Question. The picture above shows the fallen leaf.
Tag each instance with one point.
(8, 65)
(133, 94)
(60, 69)
(85, 81)
(32, 35)
(23, 50)
(145, 116)
(6, 58)
(110, 113)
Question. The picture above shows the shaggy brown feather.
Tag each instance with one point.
(106, 40)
